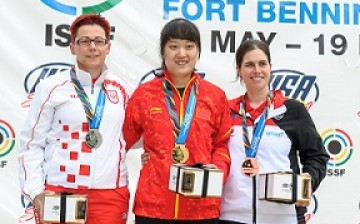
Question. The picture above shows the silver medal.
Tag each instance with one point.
(93, 138)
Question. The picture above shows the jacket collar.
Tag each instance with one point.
(85, 77)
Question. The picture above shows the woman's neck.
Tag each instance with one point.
(180, 82)
(94, 72)
(255, 99)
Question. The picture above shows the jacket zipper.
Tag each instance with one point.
(92, 88)
(181, 118)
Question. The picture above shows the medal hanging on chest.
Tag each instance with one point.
(93, 138)
(250, 166)
(180, 154)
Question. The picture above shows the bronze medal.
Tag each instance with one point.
(180, 154)
(250, 167)
(93, 138)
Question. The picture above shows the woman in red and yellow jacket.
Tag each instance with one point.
(178, 100)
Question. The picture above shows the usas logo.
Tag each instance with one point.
(296, 85)
(340, 148)
(96, 6)
(35, 76)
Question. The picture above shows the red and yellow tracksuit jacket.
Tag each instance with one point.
(147, 116)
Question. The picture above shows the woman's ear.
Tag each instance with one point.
(238, 73)
(72, 48)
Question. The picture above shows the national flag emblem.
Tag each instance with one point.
(113, 96)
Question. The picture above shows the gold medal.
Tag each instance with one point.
(250, 167)
(180, 154)
(93, 138)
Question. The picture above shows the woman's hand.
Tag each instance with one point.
(145, 157)
(210, 166)
(38, 204)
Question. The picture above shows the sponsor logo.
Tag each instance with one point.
(35, 76)
(96, 8)
(296, 85)
(286, 187)
(7, 140)
(275, 134)
(340, 148)
(338, 144)
(55, 210)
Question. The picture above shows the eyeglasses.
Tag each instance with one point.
(87, 41)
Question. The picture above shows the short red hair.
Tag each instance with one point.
(89, 19)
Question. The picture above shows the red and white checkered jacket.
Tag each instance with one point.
(52, 142)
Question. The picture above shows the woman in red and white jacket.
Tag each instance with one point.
(72, 140)
(274, 132)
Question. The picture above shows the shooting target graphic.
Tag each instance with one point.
(339, 145)
(7, 138)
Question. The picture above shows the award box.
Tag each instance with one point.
(284, 187)
(196, 182)
(65, 208)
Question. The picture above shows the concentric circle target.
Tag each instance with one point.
(338, 144)
(7, 138)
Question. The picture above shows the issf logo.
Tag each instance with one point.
(41, 72)
(296, 85)
(7, 139)
(96, 6)
(340, 148)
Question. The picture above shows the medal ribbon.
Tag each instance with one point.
(181, 129)
(251, 149)
(94, 118)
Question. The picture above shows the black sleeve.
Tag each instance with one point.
(308, 143)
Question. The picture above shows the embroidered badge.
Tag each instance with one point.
(155, 110)
(279, 117)
(113, 96)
